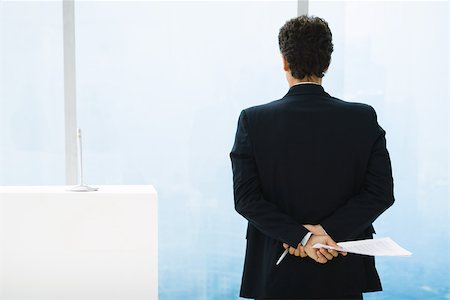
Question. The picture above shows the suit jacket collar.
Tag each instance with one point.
(307, 89)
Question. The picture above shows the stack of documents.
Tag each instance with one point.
(373, 247)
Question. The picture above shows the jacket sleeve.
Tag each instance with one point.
(248, 198)
(377, 194)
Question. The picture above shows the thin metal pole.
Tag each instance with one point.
(70, 103)
(80, 158)
(302, 7)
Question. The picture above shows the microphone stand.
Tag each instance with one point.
(81, 187)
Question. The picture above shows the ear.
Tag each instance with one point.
(285, 63)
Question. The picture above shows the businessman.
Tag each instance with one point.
(309, 168)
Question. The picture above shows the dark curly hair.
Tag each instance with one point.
(306, 43)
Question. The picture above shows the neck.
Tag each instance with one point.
(292, 81)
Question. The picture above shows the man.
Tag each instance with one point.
(309, 168)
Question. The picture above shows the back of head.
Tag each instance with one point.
(306, 43)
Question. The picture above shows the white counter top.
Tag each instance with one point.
(103, 189)
(62, 245)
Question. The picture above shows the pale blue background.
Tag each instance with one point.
(160, 86)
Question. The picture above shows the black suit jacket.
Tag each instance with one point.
(309, 158)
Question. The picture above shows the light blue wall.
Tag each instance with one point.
(160, 86)
(31, 93)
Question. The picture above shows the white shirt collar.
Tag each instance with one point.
(307, 82)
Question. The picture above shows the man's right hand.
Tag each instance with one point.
(321, 255)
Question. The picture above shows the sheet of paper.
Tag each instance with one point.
(374, 247)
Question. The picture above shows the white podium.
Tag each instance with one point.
(60, 245)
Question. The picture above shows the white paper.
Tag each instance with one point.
(374, 247)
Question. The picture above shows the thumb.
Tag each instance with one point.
(331, 242)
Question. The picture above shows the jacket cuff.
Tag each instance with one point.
(296, 236)
(332, 233)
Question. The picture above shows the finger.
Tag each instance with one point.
(303, 252)
(333, 252)
(313, 255)
(291, 250)
(297, 252)
(320, 258)
(326, 254)
(343, 253)
(285, 246)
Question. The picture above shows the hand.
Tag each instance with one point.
(299, 251)
(315, 229)
(321, 255)
(318, 230)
